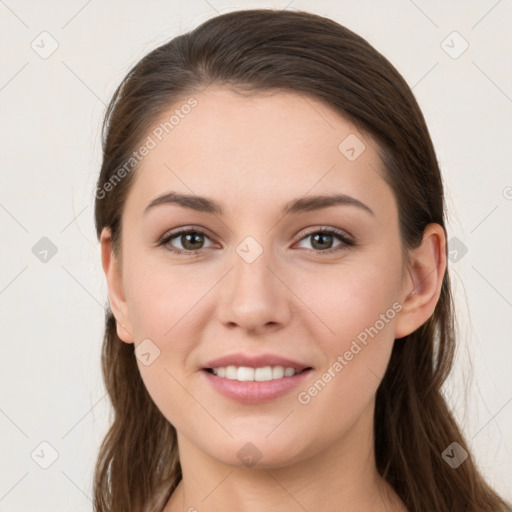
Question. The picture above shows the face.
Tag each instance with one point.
(319, 285)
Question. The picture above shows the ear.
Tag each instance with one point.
(116, 295)
(423, 280)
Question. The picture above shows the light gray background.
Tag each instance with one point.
(52, 313)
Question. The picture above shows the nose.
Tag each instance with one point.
(254, 297)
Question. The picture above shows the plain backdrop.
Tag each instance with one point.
(60, 63)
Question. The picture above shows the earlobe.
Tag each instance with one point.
(123, 333)
(116, 295)
(422, 286)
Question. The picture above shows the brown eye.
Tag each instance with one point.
(322, 240)
(191, 240)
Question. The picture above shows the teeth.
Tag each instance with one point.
(265, 373)
(245, 373)
(278, 372)
(288, 372)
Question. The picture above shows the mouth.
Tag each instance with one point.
(255, 374)
(247, 385)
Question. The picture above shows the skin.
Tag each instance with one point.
(252, 155)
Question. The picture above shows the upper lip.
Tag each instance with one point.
(255, 361)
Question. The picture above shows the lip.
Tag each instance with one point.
(255, 361)
(254, 392)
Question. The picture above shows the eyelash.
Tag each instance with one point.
(346, 241)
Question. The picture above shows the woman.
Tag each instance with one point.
(271, 218)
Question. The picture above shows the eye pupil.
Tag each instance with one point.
(322, 236)
(189, 236)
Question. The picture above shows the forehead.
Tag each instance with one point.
(258, 150)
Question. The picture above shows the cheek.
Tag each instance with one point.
(163, 303)
(351, 300)
(358, 307)
(159, 295)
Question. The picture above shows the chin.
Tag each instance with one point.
(259, 452)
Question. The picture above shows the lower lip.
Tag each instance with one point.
(255, 392)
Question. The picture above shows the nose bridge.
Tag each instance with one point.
(252, 295)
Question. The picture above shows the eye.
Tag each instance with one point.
(322, 240)
(191, 241)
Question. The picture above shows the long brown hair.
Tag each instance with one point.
(258, 50)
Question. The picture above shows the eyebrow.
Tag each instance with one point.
(302, 204)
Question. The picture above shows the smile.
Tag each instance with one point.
(261, 374)
(240, 384)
